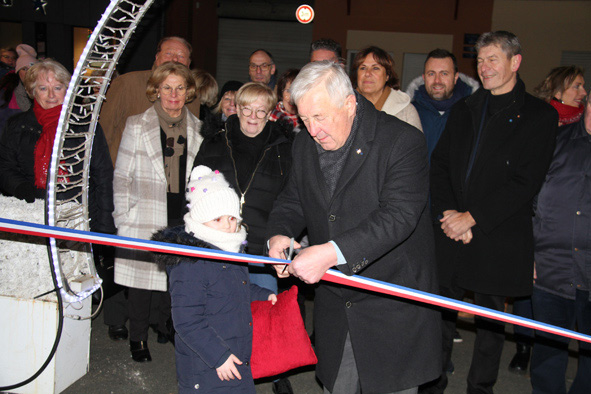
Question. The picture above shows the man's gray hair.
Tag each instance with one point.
(508, 42)
(335, 80)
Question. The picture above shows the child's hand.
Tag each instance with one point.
(272, 298)
(228, 370)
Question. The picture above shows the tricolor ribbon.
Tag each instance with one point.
(331, 275)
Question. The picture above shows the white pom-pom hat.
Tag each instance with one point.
(210, 196)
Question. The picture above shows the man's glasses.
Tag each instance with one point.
(263, 67)
(260, 113)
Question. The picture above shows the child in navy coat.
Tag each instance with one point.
(211, 299)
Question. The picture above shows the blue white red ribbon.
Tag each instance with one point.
(331, 275)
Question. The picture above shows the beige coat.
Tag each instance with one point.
(139, 187)
(127, 97)
(398, 104)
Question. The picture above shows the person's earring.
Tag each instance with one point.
(158, 95)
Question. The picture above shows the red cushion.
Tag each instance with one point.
(279, 339)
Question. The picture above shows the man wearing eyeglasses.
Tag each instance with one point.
(7, 60)
(127, 94)
(261, 68)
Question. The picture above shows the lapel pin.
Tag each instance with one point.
(359, 152)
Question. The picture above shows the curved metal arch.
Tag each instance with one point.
(69, 172)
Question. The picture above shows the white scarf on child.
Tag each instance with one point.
(230, 242)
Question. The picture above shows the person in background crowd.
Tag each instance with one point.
(154, 162)
(436, 91)
(207, 91)
(326, 49)
(261, 68)
(485, 171)
(254, 155)
(285, 110)
(127, 94)
(13, 95)
(562, 276)
(373, 75)
(227, 103)
(359, 184)
(564, 89)
(7, 60)
(26, 148)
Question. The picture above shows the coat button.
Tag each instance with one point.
(332, 218)
(578, 213)
(243, 282)
(250, 323)
(196, 387)
(246, 363)
(348, 304)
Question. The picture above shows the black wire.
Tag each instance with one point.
(59, 328)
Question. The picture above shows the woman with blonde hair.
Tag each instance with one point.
(153, 164)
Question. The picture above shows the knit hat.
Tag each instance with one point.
(230, 86)
(27, 56)
(210, 196)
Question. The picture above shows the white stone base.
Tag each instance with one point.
(27, 334)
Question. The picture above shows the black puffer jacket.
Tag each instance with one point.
(267, 181)
(17, 147)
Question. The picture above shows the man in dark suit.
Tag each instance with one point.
(359, 184)
(487, 167)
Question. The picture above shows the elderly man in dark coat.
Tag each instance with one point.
(359, 184)
(485, 171)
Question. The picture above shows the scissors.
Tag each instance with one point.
(288, 253)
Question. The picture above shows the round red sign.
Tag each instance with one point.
(305, 13)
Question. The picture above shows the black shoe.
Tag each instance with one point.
(282, 386)
(117, 333)
(140, 351)
(162, 337)
(520, 361)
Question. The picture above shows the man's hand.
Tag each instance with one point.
(228, 369)
(311, 263)
(277, 245)
(455, 224)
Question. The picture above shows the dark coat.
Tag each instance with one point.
(17, 147)
(267, 181)
(211, 314)
(562, 223)
(378, 217)
(516, 148)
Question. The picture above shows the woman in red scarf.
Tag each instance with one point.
(564, 89)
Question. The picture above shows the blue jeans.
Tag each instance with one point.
(522, 307)
(550, 352)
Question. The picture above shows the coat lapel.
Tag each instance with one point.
(151, 135)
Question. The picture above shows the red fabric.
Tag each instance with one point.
(566, 113)
(48, 119)
(279, 339)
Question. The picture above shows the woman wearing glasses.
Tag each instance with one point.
(153, 164)
(255, 157)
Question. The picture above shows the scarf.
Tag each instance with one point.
(48, 119)
(566, 113)
(382, 100)
(279, 113)
(230, 242)
(22, 98)
(175, 130)
(441, 105)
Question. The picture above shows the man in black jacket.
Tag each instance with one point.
(486, 169)
(359, 184)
